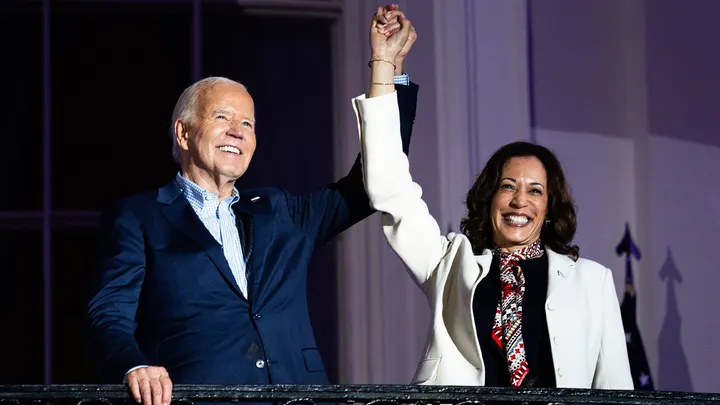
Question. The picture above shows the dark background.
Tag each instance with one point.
(115, 72)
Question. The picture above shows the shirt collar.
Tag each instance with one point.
(197, 194)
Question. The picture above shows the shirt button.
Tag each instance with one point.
(260, 364)
(550, 307)
(556, 340)
(559, 372)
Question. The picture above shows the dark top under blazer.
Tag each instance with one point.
(534, 328)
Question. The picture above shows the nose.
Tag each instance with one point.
(236, 130)
(519, 200)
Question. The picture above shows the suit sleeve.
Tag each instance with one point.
(409, 228)
(331, 210)
(613, 367)
(117, 280)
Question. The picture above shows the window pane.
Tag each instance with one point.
(22, 101)
(72, 254)
(21, 300)
(286, 65)
(118, 68)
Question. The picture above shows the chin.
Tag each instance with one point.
(517, 238)
(235, 175)
(234, 172)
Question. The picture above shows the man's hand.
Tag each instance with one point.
(388, 25)
(150, 385)
(405, 51)
(389, 33)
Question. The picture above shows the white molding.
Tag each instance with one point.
(498, 76)
(358, 249)
(483, 91)
(634, 104)
(453, 132)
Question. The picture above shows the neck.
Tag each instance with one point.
(220, 185)
(511, 248)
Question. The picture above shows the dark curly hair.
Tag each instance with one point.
(557, 234)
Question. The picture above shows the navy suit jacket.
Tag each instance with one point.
(164, 295)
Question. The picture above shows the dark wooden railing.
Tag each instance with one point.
(350, 394)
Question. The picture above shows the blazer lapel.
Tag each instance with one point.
(480, 271)
(460, 319)
(485, 302)
(560, 271)
(180, 214)
(255, 213)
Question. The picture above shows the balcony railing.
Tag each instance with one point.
(351, 394)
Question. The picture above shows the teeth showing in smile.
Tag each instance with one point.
(517, 219)
(230, 149)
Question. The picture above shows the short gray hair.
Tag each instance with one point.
(186, 108)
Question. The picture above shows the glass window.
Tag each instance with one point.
(72, 256)
(21, 73)
(118, 69)
(21, 300)
(286, 65)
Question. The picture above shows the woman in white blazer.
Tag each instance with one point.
(512, 303)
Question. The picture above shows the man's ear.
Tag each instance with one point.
(182, 134)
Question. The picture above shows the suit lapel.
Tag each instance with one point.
(485, 302)
(460, 317)
(255, 213)
(180, 214)
(477, 273)
(560, 271)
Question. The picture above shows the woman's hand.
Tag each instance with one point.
(388, 25)
(389, 33)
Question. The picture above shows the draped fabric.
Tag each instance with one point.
(507, 329)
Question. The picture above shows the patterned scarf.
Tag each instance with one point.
(507, 329)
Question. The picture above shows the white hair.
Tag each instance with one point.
(186, 108)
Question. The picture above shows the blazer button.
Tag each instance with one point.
(256, 316)
(260, 364)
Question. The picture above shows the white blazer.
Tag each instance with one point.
(583, 314)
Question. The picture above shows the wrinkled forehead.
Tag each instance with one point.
(524, 168)
(228, 97)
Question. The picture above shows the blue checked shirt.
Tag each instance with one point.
(219, 218)
(403, 79)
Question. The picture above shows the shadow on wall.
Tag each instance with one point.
(673, 369)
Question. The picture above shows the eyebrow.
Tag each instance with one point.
(221, 110)
(515, 181)
(225, 110)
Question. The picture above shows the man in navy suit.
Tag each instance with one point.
(199, 282)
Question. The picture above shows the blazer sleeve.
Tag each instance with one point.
(409, 228)
(116, 284)
(329, 211)
(613, 367)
